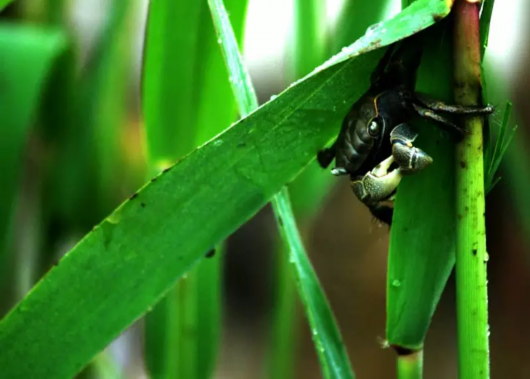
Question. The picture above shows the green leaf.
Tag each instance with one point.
(48, 12)
(29, 54)
(355, 19)
(170, 92)
(413, 19)
(331, 351)
(485, 20)
(4, 3)
(422, 241)
(82, 124)
(195, 302)
(120, 269)
(171, 108)
(104, 85)
(310, 47)
(502, 142)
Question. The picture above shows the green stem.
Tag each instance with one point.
(282, 357)
(330, 350)
(471, 255)
(410, 366)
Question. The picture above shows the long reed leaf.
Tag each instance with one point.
(332, 354)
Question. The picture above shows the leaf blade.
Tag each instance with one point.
(29, 54)
(421, 255)
(332, 354)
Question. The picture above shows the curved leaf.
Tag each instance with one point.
(28, 55)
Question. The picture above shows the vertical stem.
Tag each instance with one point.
(471, 256)
(282, 346)
(410, 366)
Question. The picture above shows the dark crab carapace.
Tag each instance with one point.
(374, 145)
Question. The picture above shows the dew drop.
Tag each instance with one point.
(273, 97)
(218, 142)
(396, 283)
(373, 28)
(114, 218)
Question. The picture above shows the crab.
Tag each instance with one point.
(374, 146)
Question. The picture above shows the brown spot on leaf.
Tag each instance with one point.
(437, 17)
(463, 164)
(133, 196)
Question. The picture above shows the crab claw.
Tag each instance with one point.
(378, 184)
(408, 157)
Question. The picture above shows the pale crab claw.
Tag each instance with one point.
(378, 184)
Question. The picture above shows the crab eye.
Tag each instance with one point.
(374, 128)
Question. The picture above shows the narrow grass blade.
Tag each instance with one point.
(485, 20)
(331, 351)
(309, 44)
(49, 12)
(104, 367)
(203, 106)
(422, 241)
(312, 40)
(165, 103)
(502, 142)
(282, 341)
(413, 19)
(170, 112)
(515, 163)
(82, 120)
(105, 85)
(332, 354)
(216, 110)
(29, 55)
(130, 260)
(355, 19)
(309, 49)
(4, 3)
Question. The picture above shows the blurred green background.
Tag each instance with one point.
(82, 141)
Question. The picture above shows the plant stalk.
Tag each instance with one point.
(471, 255)
(410, 366)
(284, 327)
